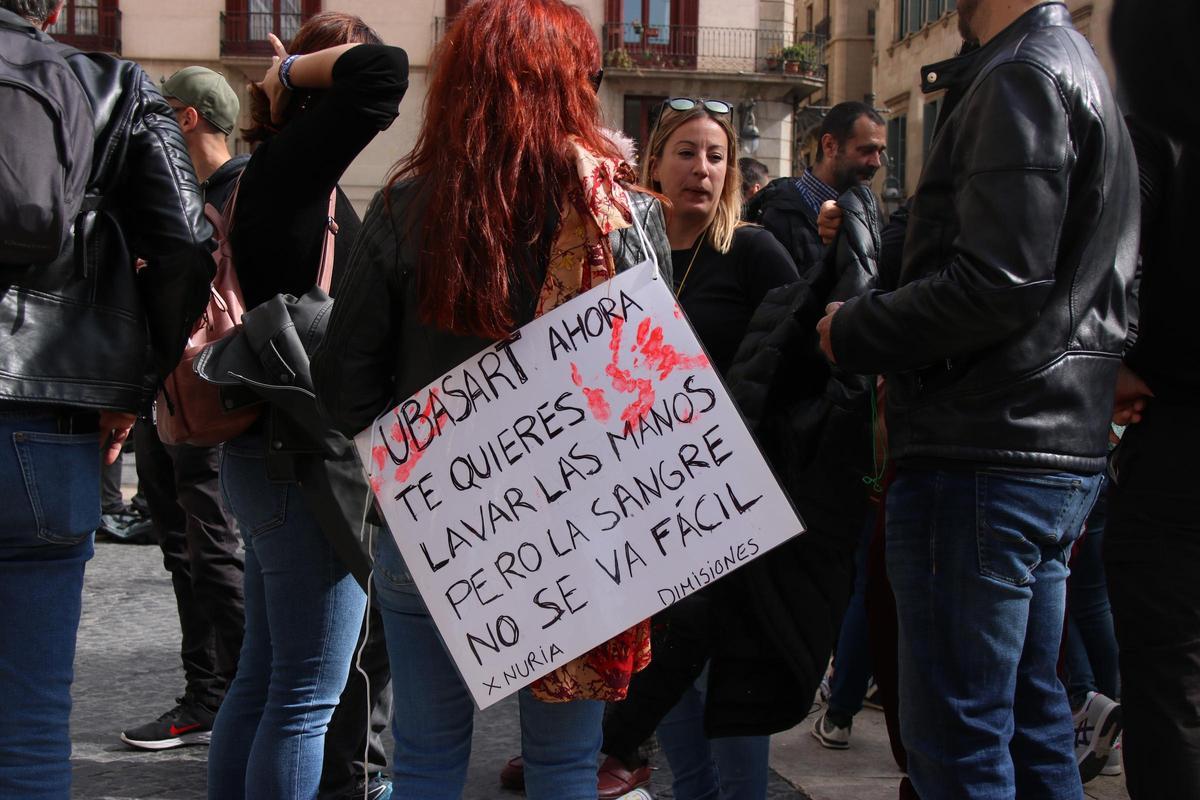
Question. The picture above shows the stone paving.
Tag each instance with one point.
(127, 672)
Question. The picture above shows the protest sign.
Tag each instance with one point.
(571, 481)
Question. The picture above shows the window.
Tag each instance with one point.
(897, 145)
(911, 17)
(639, 118)
(89, 25)
(870, 22)
(247, 23)
(932, 109)
(808, 18)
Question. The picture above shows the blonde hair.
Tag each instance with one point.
(729, 204)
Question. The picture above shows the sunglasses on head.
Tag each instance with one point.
(719, 107)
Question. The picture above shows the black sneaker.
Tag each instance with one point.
(186, 723)
(127, 526)
(377, 787)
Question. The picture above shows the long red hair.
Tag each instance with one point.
(511, 83)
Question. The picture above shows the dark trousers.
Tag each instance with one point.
(199, 544)
(111, 499)
(360, 718)
(682, 643)
(1152, 558)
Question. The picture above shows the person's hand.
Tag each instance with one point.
(829, 221)
(825, 329)
(271, 85)
(1131, 396)
(114, 430)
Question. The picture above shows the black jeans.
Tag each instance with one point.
(199, 543)
(1152, 557)
(354, 729)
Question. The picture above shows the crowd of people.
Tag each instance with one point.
(979, 405)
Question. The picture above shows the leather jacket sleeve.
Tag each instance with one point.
(1015, 160)
(162, 214)
(353, 369)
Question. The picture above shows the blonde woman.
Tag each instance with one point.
(722, 270)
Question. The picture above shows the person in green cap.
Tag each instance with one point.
(206, 108)
(197, 536)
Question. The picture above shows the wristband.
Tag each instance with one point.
(285, 70)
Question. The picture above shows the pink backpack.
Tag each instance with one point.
(189, 410)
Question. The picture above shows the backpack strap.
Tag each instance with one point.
(325, 272)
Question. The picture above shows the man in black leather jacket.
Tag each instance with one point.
(1001, 347)
(82, 342)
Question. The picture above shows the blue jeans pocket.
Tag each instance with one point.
(389, 564)
(61, 474)
(257, 504)
(1020, 517)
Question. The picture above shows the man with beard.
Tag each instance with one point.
(1001, 346)
(852, 140)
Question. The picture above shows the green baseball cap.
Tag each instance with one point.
(206, 91)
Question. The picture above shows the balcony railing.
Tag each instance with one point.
(632, 45)
(244, 33)
(93, 30)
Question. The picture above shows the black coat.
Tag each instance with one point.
(781, 209)
(88, 331)
(767, 629)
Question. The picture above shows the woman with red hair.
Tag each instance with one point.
(513, 201)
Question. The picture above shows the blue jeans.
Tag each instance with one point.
(50, 483)
(433, 713)
(1091, 644)
(978, 564)
(303, 612)
(852, 664)
(728, 768)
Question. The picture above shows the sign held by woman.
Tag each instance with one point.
(570, 481)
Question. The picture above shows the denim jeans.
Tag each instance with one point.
(434, 715)
(852, 663)
(978, 563)
(50, 482)
(1091, 646)
(303, 612)
(728, 768)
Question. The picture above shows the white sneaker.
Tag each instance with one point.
(1112, 767)
(830, 735)
(1097, 726)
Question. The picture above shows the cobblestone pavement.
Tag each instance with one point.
(127, 672)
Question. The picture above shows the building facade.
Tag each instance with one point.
(747, 52)
(912, 33)
(848, 26)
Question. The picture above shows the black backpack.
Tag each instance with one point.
(46, 141)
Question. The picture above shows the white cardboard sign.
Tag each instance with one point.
(571, 481)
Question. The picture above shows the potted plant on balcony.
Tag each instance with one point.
(774, 61)
(791, 56)
(618, 59)
(799, 58)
